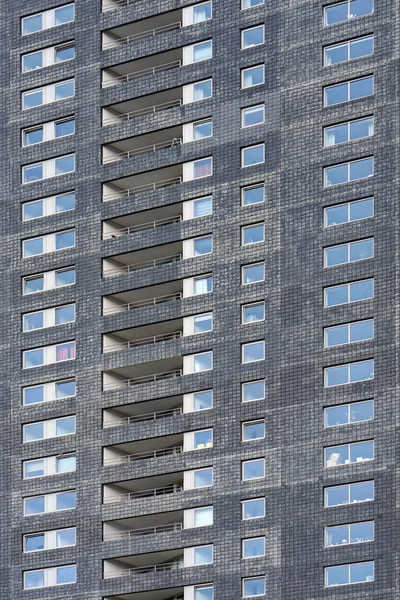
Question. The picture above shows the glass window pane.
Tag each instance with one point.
(359, 169)
(32, 210)
(336, 536)
(33, 432)
(202, 400)
(202, 323)
(204, 593)
(362, 572)
(65, 351)
(202, 362)
(253, 587)
(34, 284)
(361, 250)
(65, 53)
(253, 76)
(202, 12)
(253, 547)
(202, 51)
(33, 358)
(66, 574)
(361, 128)
(202, 130)
(65, 500)
(34, 136)
(34, 395)
(337, 375)
(32, 24)
(361, 532)
(336, 94)
(202, 245)
(202, 285)
(33, 321)
(363, 47)
(64, 14)
(202, 207)
(335, 496)
(253, 509)
(65, 128)
(253, 234)
(65, 389)
(66, 277)
(34, 468)
(336, 575)
(65, 240)
(253, 273)
(203, 555)
(335, 336)
(33, 61)
(359, 8)
(336, 135)
(336, 255)
(361, 209)
(336, 415)
(253, 313)
(253, 155)
(64, 90)
(66, 464)
(253, 390)
(361, 411)
(253, 36)
(65, 164)
(336, 14)
(34, 542)
(203, 516)
(32, 99)
(336, 215)
(65, 426)
(33, 579)
(253, 116)
(32, 247)
(253, 195)
(32, 173)
(337, 295)
(253, 431)
(65, 537)
(253, 469)
(336, 54)
(65, 202)
(65, 314)
(202, 439)
(202, 90)
(364, 330)
(202, 168)
(362, 371)
(203, 478)
(336, 455)
(362, 492)
(361, 87)
(336, 175)
(362, 451)
(253, 352)
(34, 506)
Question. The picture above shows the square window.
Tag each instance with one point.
(33, 543)
(64, 164)
(253, 469)
(65, 314)
(202, 207)
(202, 130)
(33, 579)
(202, 12)
(65, 53)
(65, 277)
(34, 468)
(33, 432)
(64, 14)
(203, 400)
(65, 202)
(204, 592)
(202, 323)
(63, 128)
(253, 390)
(202, 478)
(33, 395)
(33, 61)
(202, 168)
(33, 136)
(253, 273)
(254, 36)
(32, 173)
(202, 362)
(203, 555)
(32, 210)
(202, 285)
(34, 506)
(203, 245)
(66, 537)
(253, 509)
(32, 99)
(65, 389)
(66, 464)
(252, 76)
(202, 439)
(202, 90)
(203, 516)
(65, 239)
(34, 284)
(66, 575)
(66, 500)
(33, 358)
(33, 321)
(253, 547)
(254, 194)
(202, 51)
(253, 430)
(65, 351)
(65, 426)
(253, 313)
(64, 90)
(253, 587)
(253, 352)
(253, 234)
(32, 24)
(254, 115)
(253, 155)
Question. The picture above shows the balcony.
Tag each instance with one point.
(142, 336)
(151, 372)
(144, 105)
(169, 594)
(143, 182)
(142, 67)
(142, 144)
(142, 259)
(133, 490)
(152, 295)
(140, 412)
(158, 524)
(139, 30)
(151, 448)
(143, 564)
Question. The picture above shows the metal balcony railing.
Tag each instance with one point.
(141, 303)
(142, 73)
(170, 566)
(143, 379)
(127, 459)
(154, 339)
(141, 227)
(154, 416)
(144, 265)
(123, 535)
(117, 4)
(143, 34)
(173, 488)
(143, 111)
(142, 150)
(146, 187)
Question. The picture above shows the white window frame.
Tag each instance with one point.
(188, 14)
(189, 556)
(248, 362)
(49, 280)
(49, 354)
(348, 164)
(48, 56)
(48, 93)
(189, 517)
(49, 429)
(49, 391)
(189, 51)
(49, 465)
(49, 206)
(50, 577)
(348, 365)
(243, 126)
(189, 400)
(244, 306)
(189, 359)
(49, 317)
(348, 83)
(350, 17)
(49, 168)
(242, 47)
(50, 503)
(189, 285)
(242, 76)
(244, 462)
(260, 3)
(348, 325)
(250, 226)
(349, 447)
(348, 43)
(244, 584)
(50, 539)
(348, 126)
(348, 286)
(254, 421)
(349, 244)
(243, 153)
(189, 476)
(48, 19)
(189, 168)
(189, 437)
(188, 95)
(249, 187)
(243, 502)
(348, 205)
(348, 486)
(250, 382)
(348, 405)
(252, 265)
(49, 131)
(49, 243)
(188, 130)
(258, 537)
(349, 565)
(188, 247)
(188, 208)
(349, 526)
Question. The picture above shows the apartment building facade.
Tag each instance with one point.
(200, 300)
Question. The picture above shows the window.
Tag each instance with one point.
(350, 211)
(349, 333)
(253, 273)
(253, 313)
(197, 169)
(253, 587)
(198, 517)
(198, 440)
(197, 52)
(253, 430)
(349, 373)
(254, 36)
(349, 171)
(47, 392)
(47, 281)
(253, 234)
(48, 243)
(350, 131)
(344, 11)
(193, 92)
(47, 57)
(202, 478)
(253, 115)
(349, 292)
(199, 207)
(253, 352)
(252, 76)
(251, 3)
(203, 555)
(362, 572)
(354, 533)
(51, 465)
(203, 592)
(197, 13)
(48, 131)
(253, 155)
(49, 577)
(48, 355)
(65, 464)
(48, 94)
(196, 286)
(197, 246)
(197, 363)
(345, 414)
(49, 317)
(48, 206)
(254, 194)
(49, 429)
(202, 129)
(350, 50)
(349, 453)
(48, 19)
(59, 538)
(253, 390)
(349, 90)
(347, 253)
(48, 168)
(253, 547)
(351, 493)
(37, 505)
(253, 509)
(253, 469)
(198, 401)
(197, 324)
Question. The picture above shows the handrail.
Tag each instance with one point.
(160, 414)
(142, 73)
(137, 266)
(162, 337)
(143, 111)
(173, 488)
(141, 303)
(176, 564)
(141, 227)
(142, 150)
(121, 535)
(143, 188)
(172, 451)
(143, 34)
(143, 379)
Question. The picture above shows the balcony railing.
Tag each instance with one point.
(146, 187)
(144, 265)
(154, 416)
(142, 150)
(118, 4)
(154, 339)
(170, 566)
(143, 111)
(123, 535)
(141, 227)
(142, 73)
(143, 379)
(141, 303)
(141, 35)
(120, 460)
(174, 488)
